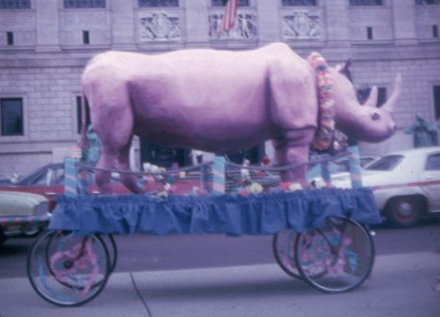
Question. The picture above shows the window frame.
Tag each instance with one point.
(22, 8)
(299, 5)
(382, 91)
(427, 168)
(63, 5)
(382, 3)
(78, 113)
(138, 3)
(419, 3)
(249, 4)
(23, 117)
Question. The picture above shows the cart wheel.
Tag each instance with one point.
(112, 249)
(68, 270)
(283, 248)
(58, 241)
(337, 257)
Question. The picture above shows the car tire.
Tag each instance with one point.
(405, 212)
(2, 237)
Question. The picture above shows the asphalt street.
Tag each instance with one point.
(214, 275)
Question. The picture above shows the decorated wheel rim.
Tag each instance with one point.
(337, 257)
(68, 270)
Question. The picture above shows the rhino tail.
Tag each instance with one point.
(84, 142)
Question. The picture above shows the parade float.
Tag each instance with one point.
(221, 102)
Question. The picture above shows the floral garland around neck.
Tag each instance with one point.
(326, 125)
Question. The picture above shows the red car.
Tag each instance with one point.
(49, 182)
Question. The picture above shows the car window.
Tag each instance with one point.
(433, 163)
(58, 177)
(366, 160)
(41, 180)
(385, 163)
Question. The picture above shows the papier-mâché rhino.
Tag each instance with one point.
(220, 101)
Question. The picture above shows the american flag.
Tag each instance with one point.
(229, 17)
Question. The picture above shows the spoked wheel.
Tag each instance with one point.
(283, 248)
(68, 270)
(112, 249)
(337, 257)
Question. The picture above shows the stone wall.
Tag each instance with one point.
(45, 63)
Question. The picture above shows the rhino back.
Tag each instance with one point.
(209, 99)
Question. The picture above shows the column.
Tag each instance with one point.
(404, 22)
(48, 31)
(196, 20)
(337, 22)
(269, 21)
(123, 27)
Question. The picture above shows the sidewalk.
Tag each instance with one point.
(400, 285)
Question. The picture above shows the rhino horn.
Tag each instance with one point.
(392, 101)
(372, 98)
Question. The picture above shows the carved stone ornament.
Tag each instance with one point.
(160, 27)
(245, 27)
(301, 25)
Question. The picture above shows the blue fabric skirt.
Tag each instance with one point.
(261, 214)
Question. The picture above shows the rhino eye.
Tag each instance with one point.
(375, 116)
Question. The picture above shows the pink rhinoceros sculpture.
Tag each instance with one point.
(220, 101)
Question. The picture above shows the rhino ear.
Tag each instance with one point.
(338, 67)
(347, 65)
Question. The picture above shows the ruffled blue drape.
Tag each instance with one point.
(261, 214)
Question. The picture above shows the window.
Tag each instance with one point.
(287, 3)
(222, 3)
(436, 92)
(363, 93)
(435, 31)
(15, 4)
(86, 37)
(433, 163)
(79, 113)
(421, 2)
(369, 32)
(365, 2)
(385, 163)
(84, 4)
(158, 3)
(10, 38)
(11, 114)
(381, 96)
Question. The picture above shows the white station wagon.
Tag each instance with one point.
(406, 184)
(22, 214)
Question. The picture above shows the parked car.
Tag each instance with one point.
(406, 184)
(48, 181)
(337, 165)
(22, 214)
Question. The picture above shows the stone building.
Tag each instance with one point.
(45, 44)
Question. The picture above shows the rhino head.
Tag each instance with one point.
(363, 122)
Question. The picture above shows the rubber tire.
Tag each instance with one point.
(412, 205)
(112, 249)
(292, 270)
(315, 284)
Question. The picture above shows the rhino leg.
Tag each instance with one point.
(112, 119)
(128, 180)
(102, 178)
(293, 149)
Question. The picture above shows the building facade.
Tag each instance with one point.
(45, 44)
